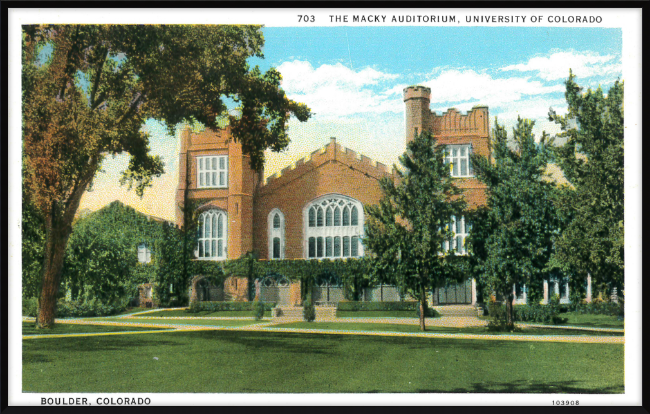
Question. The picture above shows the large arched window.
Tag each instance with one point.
(213, 235)
(333, 228)
(276, 234)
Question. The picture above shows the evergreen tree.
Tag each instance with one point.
(592, 160)
(406, 231)
(512, 237)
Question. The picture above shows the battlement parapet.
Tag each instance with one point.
(453, 122)
(325, 154)
(418, 91)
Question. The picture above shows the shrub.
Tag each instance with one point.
(226, 306)
(378, 306)
(308, 311)
(30, 306)
(259, 310)
(92, 307)
(428, 312)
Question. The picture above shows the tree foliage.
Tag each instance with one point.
(592, 160)
(406, 230)
(512, 237)
(89, 96)
(101, 260)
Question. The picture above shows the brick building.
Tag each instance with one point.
(314, 208)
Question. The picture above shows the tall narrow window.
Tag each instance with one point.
(212, 171)
(333, 227)
(460, 229)
(213, 238)
(276, 234)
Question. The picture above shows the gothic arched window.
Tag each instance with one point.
(213, 235)
(333, 227)
(276, 234)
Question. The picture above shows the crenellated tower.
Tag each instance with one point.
(417, 100)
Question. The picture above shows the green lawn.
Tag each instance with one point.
(188, 321)
(184, 313)
(69, 328)
(257, 362)
(387, 327)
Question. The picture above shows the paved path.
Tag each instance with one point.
(267, 327)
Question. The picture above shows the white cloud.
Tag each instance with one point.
(455, 85)
(333, 91)
(556, 66)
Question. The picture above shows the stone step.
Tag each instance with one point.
(296, 313)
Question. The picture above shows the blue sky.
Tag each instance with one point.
(352, 78)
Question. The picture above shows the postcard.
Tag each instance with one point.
(324, 206)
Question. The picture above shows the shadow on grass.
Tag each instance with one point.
(523, 387)
(100, 343)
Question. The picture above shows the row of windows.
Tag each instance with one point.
(333, 247)
(212, 172)
(321, 241)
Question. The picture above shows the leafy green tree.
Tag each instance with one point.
(33, 241)
(101, 260)
(512, 237)
(592, 207)
(172, 265)
(406, 231)
(90, 95)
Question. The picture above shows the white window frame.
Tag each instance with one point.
(453, 156)
(205, 241)
(332, 232)
(275, 232)
(143, 250)
(464, 232)
(212, 171)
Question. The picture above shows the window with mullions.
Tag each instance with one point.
(333, 228)
(144, 254)
(212, 171)
(460, 228)
(459, 158)
(213, 235)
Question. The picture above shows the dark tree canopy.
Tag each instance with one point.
(406, 231)
(512, 237)
(91, 94)
(592, 207)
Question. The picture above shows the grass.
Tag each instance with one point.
(62, 328)
(202, 322)
(184, 313)
(387, 327)
(258, 362)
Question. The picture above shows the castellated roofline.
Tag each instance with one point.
(328, 153)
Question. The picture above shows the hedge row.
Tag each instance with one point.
(226, 306)
(527, 313)
(69, 309)
(599, 308)
(378, 306)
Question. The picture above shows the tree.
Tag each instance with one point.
(406, 231)
(512, 237)
(87, 90)
(592, 159)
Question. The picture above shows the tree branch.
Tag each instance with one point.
(98, 75)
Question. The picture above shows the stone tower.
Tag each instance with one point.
(417, 100)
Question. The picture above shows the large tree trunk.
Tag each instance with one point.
(57, 233)
(423, 306)
(510, 315)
